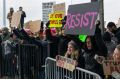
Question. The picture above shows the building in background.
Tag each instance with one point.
(46, 10)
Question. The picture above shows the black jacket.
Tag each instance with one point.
(99, 48)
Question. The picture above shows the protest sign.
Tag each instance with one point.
(56, 19)
(34, 26)
(15, 22)
(81, 19)
(66, 63)
(110, 66)
(26, 25)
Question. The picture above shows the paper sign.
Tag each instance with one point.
(26, 25)
(56, 19)
(16, 19)
(65, 63)
(110, 66)
(34, 26)
(81, 19)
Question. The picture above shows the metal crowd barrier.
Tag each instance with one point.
(27, 61)
(24, 62)
(54, 72)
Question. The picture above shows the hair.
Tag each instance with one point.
(73, 44)
(20, 7)
(118, 47)
(47, 24)
(48, 34)
(42, 25)
(11, 8)
(93, 42)
(111, 24)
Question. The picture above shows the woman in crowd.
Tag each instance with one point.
(94, 46)
(73, 52)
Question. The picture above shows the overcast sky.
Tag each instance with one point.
(34, 12)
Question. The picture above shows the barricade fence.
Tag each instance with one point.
(54, 72)
(23, 62)
(26, 61)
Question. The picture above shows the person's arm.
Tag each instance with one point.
(99, 41)
(24, 14)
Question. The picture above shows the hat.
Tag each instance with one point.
(73, 44)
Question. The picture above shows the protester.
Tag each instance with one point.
(5, 34)
(63, 43)
(74, 53)
(9, 16)
(110, 37)
(23, 15)
(94, 46)
(1, 55)
(116, 59)
(9, 56)
(116, 54)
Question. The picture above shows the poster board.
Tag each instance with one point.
(65, 63)
(110, 66)
(34, 26)
(81, 19)
(16, 19)
(26, 25)
(56, 19)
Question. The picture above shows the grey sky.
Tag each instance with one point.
(33, 8)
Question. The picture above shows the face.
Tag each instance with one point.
(11, 10)
(89, 44)
(116, 55)
(70, 48)
(14, 36)
(4, 32)
(20, 8)
(63, 32)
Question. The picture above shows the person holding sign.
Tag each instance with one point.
(94, 46)
(111, 66)
(74, 53)
(23, 15)
(9, 16)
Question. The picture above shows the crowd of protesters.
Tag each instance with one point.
(85, 53)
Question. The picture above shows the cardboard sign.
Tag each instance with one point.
(26, 25)
(34, 26)
(16, 19)
(56, 19)
(110, 66)
(59, 8)
(81, 19)
(66, 63)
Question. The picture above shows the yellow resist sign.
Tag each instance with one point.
(56, 19)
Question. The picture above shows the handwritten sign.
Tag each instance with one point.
(16, 19)
(34, 26)
(26, 25)
(110, 66)
(66, 63)
(81, 19)
(56, 19)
